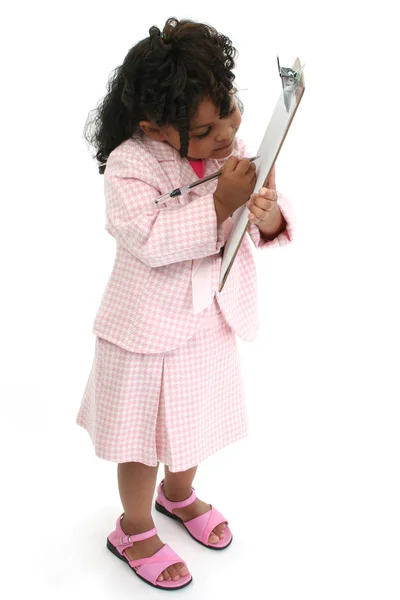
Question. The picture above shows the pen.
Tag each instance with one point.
(189, 186)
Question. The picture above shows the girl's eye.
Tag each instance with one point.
(209, 129)
(203, 134)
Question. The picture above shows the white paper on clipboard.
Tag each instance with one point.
(271, 144)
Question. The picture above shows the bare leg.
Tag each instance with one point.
(177, 486)
(136, 483)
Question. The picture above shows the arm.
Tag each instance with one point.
(159, 236)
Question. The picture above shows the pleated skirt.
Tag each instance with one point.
(177, 408)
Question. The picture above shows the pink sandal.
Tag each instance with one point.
(148, 569)
(199, 527)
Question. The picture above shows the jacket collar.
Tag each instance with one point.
(161, 151)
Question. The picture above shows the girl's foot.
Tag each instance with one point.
(197, 508)
(149, 547)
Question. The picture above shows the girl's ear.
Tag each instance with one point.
(153, 131)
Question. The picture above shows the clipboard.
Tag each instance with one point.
(293, 87)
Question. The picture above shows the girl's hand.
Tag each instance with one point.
(236, 183)
(263, 206)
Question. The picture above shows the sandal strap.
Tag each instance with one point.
(179, 504)
(150, 567)
(148, 560)
(124, 540)
(128, 540)
(201, 527)
(215, 518)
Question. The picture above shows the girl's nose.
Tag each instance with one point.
(225, 135)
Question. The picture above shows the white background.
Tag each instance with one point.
(312, 495)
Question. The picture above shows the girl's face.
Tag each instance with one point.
(210, 136)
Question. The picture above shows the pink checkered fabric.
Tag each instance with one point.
(177, 408)
(147, 305)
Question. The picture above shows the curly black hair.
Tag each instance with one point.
(163, 79)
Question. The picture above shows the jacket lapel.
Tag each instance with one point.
(180, 172)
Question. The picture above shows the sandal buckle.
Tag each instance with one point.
(124, 543)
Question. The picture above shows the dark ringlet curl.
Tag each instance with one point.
(163, 79)
(154, 32)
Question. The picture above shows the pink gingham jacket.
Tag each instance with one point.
(147, 306)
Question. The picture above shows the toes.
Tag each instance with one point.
(213, 539)
(182, 570)
(217, 533)
(219, 530)
(173, 572)
(164, 575)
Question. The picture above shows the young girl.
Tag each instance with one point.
(165, 384)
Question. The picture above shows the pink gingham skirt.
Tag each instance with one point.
(177, 408)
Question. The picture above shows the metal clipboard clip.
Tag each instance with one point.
(290, 83)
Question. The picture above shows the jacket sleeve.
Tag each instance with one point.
(161, 235)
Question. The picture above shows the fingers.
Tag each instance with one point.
(245, 167)
(268, 194)
(231, 164)
(242, 167)
(265, 200)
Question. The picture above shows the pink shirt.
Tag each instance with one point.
(198, 167)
